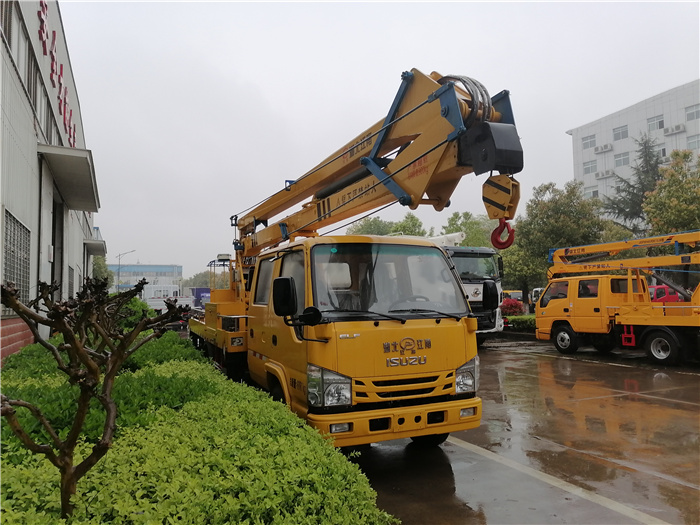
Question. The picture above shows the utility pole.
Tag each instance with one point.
(119, 267)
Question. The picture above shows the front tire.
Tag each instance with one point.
(431, 441)
(662, 348)
(565, 339)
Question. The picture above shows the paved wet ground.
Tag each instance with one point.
(586, 439)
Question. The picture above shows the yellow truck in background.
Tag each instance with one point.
(368, 338)
(608, 303)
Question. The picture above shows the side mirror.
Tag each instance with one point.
(490, 299)
(311, 316)
(284, 296)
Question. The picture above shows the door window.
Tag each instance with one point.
(557, 290)
(264, 282)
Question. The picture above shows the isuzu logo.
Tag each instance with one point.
(406, 361)
(406, 350)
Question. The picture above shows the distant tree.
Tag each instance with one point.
(198, 280)
(93, 347)
(202, 280)
(476, 229)
(370, 226)
(627, 206)
(409, 225)
(101, 271)
(674, 205)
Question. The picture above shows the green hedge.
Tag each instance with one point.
(193, 447)
(522, 323)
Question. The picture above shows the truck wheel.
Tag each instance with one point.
(277, 393)
(603, 343)
(565, 339)
(662, 348)
(431, 441)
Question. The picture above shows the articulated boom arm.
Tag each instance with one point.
(582, 259)
(438, 129)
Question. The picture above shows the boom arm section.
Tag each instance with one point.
(438, 129)
(582, 259)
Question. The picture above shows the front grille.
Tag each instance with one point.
(405, 393)
(406, 381)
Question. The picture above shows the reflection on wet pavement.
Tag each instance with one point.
(628, 433)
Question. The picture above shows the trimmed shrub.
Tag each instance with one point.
(192, 447)
(512, 307)
(522, 323)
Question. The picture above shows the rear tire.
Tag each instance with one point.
(565, 339)
(430, 441)
(603, 343)
(662, 348)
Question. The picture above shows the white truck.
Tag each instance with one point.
(481, 272)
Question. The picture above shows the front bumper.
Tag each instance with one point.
(400, 422)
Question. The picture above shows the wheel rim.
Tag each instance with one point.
(660, 348)
(563, 339)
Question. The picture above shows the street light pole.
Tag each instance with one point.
(119, 267)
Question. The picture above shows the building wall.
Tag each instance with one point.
(127, 275)
(601, 149)
(44, 239)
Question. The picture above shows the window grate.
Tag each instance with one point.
(16, 253)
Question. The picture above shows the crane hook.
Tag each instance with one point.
(496, 240)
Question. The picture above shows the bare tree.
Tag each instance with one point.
(92, 352)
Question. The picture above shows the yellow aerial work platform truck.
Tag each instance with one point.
(593, 297)
(368, 338)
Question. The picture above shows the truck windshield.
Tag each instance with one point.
(475, 267)
(381, 278)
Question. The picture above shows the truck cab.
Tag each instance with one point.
(367, 338)
(571, 307)
(481, 270)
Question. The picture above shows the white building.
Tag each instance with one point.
(164, 277)
(606, 147)
(49, 190)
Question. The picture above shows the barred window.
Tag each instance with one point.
(16, 253)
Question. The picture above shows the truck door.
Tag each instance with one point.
(588, 317)
(554, 306)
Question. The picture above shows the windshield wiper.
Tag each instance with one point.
(348, 310)
(427, 310)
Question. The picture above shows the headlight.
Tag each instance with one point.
(467, 377)
(326, 388)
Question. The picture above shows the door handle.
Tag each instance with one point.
(566, 310)
(596, 310)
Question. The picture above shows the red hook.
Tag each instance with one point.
(496, 235)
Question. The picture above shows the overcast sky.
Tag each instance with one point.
(196, 111)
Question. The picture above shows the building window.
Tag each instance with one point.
(655, 123)
(71, 282)
(16, 251)
(692, 112)
(622, 159)
(590, 167)
(694, 142)
(620, 133)
(588, 142)
(590, 193)
(660, 150)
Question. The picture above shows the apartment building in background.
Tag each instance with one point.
(606, 147)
